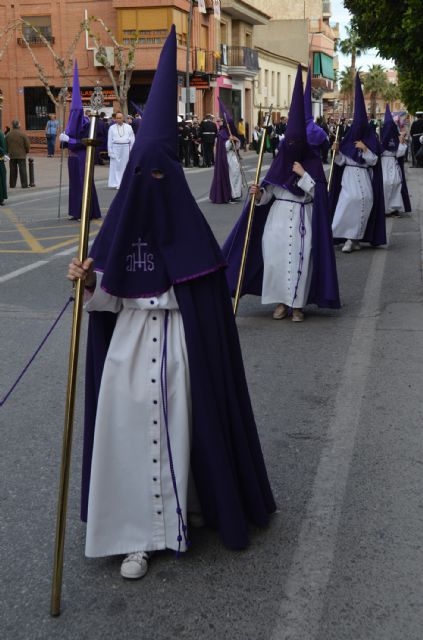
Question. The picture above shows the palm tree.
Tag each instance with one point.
(375, 83)
(346, 87)
(391, 94)
(352, 46)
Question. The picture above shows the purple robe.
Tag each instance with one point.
(220, 190)
(155, 237)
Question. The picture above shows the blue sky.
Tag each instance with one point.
(341, 15)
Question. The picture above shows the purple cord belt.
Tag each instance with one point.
(182, 528)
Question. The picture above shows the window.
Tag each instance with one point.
(37, 107)
(323, 65)
(42, 24)
(273, 83)
(289, 90)
(150, 26)
(278, 88)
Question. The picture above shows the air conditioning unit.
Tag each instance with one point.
(110, 53)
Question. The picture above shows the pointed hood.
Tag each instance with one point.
(294, 146)
(227, 118)
(315, 134)
(389, 137)
(360, 129)
(77, 121)
(154, 235)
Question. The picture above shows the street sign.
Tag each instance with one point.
(191, 94)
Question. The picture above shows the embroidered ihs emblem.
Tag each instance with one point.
(140, 258)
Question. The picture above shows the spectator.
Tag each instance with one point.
(241, 132)
(3, 158)
(18, 145)
(51, 130)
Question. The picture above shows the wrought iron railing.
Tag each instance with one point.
(233, 56)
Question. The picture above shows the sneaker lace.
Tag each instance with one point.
(137, 556)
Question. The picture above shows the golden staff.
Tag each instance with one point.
(251, 214)
(333, 157)
(90, 142)
(235, 150)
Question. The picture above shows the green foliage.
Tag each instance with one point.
(396, 30)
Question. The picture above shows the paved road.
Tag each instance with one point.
(338, 404)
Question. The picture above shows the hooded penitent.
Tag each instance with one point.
(294, 147)
(361, 130)
(220, 190)
(315, 134)
(77, 129)
(155, 237)
(389, 140)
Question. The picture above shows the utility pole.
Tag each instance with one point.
(187, 88)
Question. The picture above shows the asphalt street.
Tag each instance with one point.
(338, 403)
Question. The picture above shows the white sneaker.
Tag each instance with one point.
(348, 247)
(135, 565)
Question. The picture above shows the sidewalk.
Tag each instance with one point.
(47, 171)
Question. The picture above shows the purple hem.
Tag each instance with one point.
(222, 265)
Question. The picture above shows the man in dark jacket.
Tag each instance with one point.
(18, 145)
(208, 131)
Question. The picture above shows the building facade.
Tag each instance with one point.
(145, 23)
(321, 42)
(281, 46)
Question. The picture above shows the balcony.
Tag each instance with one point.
(241, 61)
(207, 62)
(35, 41)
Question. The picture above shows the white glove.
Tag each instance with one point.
(64, 137)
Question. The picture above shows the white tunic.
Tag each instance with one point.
(392, 179)
(132, 504)
(356, 198)
(282, 245)
(234, 169)
(120, 140)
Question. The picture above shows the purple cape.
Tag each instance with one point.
(404, 187)
(220, 190)
(360, 129)
(390, 141)
(178, 248)
(77, 128)
(226, 457)
(324, 289)
(375, 232)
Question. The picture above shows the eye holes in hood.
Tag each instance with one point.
(155, 173)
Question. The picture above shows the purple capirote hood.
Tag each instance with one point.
(360, 129)
(154, 234)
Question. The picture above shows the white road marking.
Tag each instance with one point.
(304, 591)
(68, 251)
(22, 270)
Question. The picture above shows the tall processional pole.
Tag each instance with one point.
(251, 214)
(96, 104)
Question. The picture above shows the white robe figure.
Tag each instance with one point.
(392, 179)
(234, 168)
(355, 201)
(120, 140)
(132, 504)
(282, 245)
